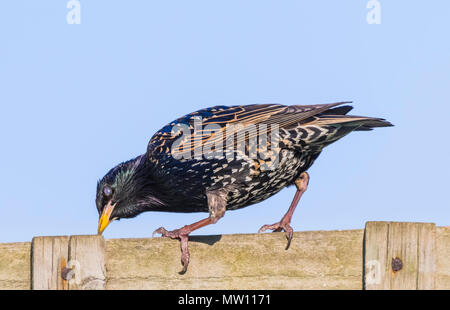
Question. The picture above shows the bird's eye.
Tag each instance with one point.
(107, 191)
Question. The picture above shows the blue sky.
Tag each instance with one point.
(78, 99)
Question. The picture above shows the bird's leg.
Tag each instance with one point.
(217, 207)
(302, 184)
(183, 234)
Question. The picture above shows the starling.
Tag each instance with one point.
(225, 158)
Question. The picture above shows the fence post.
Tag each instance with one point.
(62, 263)
(87, 259)
(47, 255)
(399, 255)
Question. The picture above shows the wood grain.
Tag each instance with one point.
(443, 258)
(47, 254)
(375, 255)
(15, 266)
(411, 245)
(316, 260)
(87, 259)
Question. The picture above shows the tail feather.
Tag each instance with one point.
(338, 111)
(332, 117)
(339, 116)
(374, 123)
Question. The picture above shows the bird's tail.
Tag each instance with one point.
(339, 116)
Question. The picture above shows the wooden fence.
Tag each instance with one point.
(384, 255)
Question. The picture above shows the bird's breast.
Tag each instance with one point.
(250, 180)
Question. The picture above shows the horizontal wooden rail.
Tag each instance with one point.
(384, 255)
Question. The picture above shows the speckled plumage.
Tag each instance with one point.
(179, 173)
(301, 141)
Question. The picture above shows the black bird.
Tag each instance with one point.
(205, 162)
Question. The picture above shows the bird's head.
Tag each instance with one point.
(124, 192)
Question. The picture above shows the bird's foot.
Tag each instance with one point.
(280, 226)
(183, 235)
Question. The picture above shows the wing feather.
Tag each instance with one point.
(224, 117)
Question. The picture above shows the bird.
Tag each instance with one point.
(225, 158)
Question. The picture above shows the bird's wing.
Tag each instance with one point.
(222, 117)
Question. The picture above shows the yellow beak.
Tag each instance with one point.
(104, 220)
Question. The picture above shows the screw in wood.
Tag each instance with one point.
(397, 264)
(67, 274)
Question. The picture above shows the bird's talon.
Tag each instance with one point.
(184, 238)
(262, 229)
(278, 227)
(154, 233)
(161, 231)
(289, 236)
(185, 264)
(182, 272)
(183, 235)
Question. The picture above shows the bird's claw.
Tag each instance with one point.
(183, 236)
(162, 231)
(184, 253)
(280, 226)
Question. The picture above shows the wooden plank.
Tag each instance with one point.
(375, 255)
(87, 260)
(315, 260)
(402, 245)
(427, 256)
(399, 255)
(320, 259)
(15, 266)
(443, 261)
(47, 255)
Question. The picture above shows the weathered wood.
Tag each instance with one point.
(427, 257)
(85, 255)
(400, 255)
(315, 260)
(443, 258)
(375, 255)
(15, 266)
(47, 255)
(87, 260)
